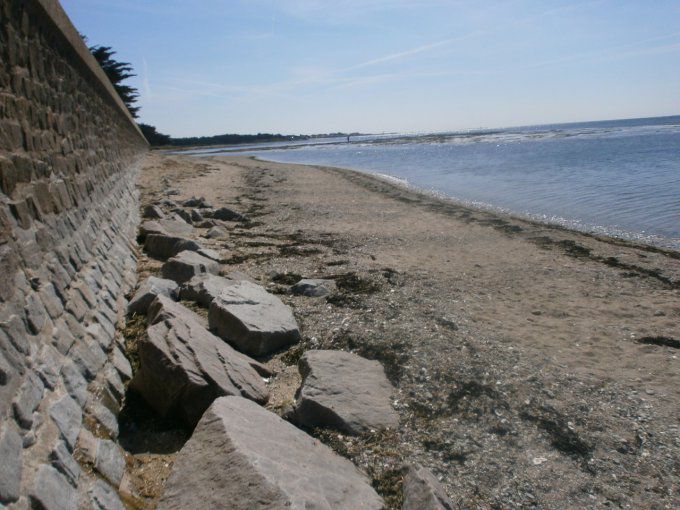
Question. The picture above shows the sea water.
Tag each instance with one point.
(618, 178)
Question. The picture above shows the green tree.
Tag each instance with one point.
(154, 137)
(117, 73)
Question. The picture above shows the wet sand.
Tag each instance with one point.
(533, 366)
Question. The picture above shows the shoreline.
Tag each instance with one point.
(627, 238)
(532, 365)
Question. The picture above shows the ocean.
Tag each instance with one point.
(619, 178)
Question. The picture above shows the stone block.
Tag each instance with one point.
(52, 491)
(68, 417)
(27, 399)
(187, 264)
(10, 464)
(243, 457)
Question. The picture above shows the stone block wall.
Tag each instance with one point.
(69, 153)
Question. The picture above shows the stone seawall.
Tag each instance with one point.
(69, 154)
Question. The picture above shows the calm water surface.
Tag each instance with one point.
(618, 178)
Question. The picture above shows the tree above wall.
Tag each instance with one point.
(117, 73)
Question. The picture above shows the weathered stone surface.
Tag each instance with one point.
(422, 491)
(122, 364)
(218, 232)
(106, 456)
(313, 287)
(163, 308)
(88, 357)
(226, 214)
(166, 227)
(103, 497)
(183, 368)
(68, 417)
(75, 383)
(253, 320)
(63, 461)
(343, 391)
(242, 456)
(109, 461)
(52, 491)
(204, 288)
(10, 464)
(187, 264)
(166, 246)
(148, 290)
(47, 366)
(196, 216)
(153, 212)
(195, 202)
(105, 418)
(27, 399)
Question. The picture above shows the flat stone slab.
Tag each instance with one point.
(147, 292)
(166, 227)
(165, 246)
(422, 491)
(187, 264)
(313, 287)
(344, 391)
(242, 456)
(204, 288)
(163, 308)
(252, 320)
(183, 368)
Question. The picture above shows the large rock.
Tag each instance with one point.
(163, 308)
(205, 287)
(166, 227)
(313, 287)
(422, 491)
(165, 246)
(183, 368)
(242, 456)
(217, 232)
(153, 212)
(226, 214)
(187, 264)
(253, 320)
(147, 292)
(343, 391)
(195, 202)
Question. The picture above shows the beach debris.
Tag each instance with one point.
(242, 456)
(343, 391)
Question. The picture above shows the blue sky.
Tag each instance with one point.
(312, 66)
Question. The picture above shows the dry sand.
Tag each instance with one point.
(525, 357)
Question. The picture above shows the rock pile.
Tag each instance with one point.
(240, 454)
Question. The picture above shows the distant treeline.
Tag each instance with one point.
(232, 139)
(157, 139)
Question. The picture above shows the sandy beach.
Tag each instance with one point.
(533, 367)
